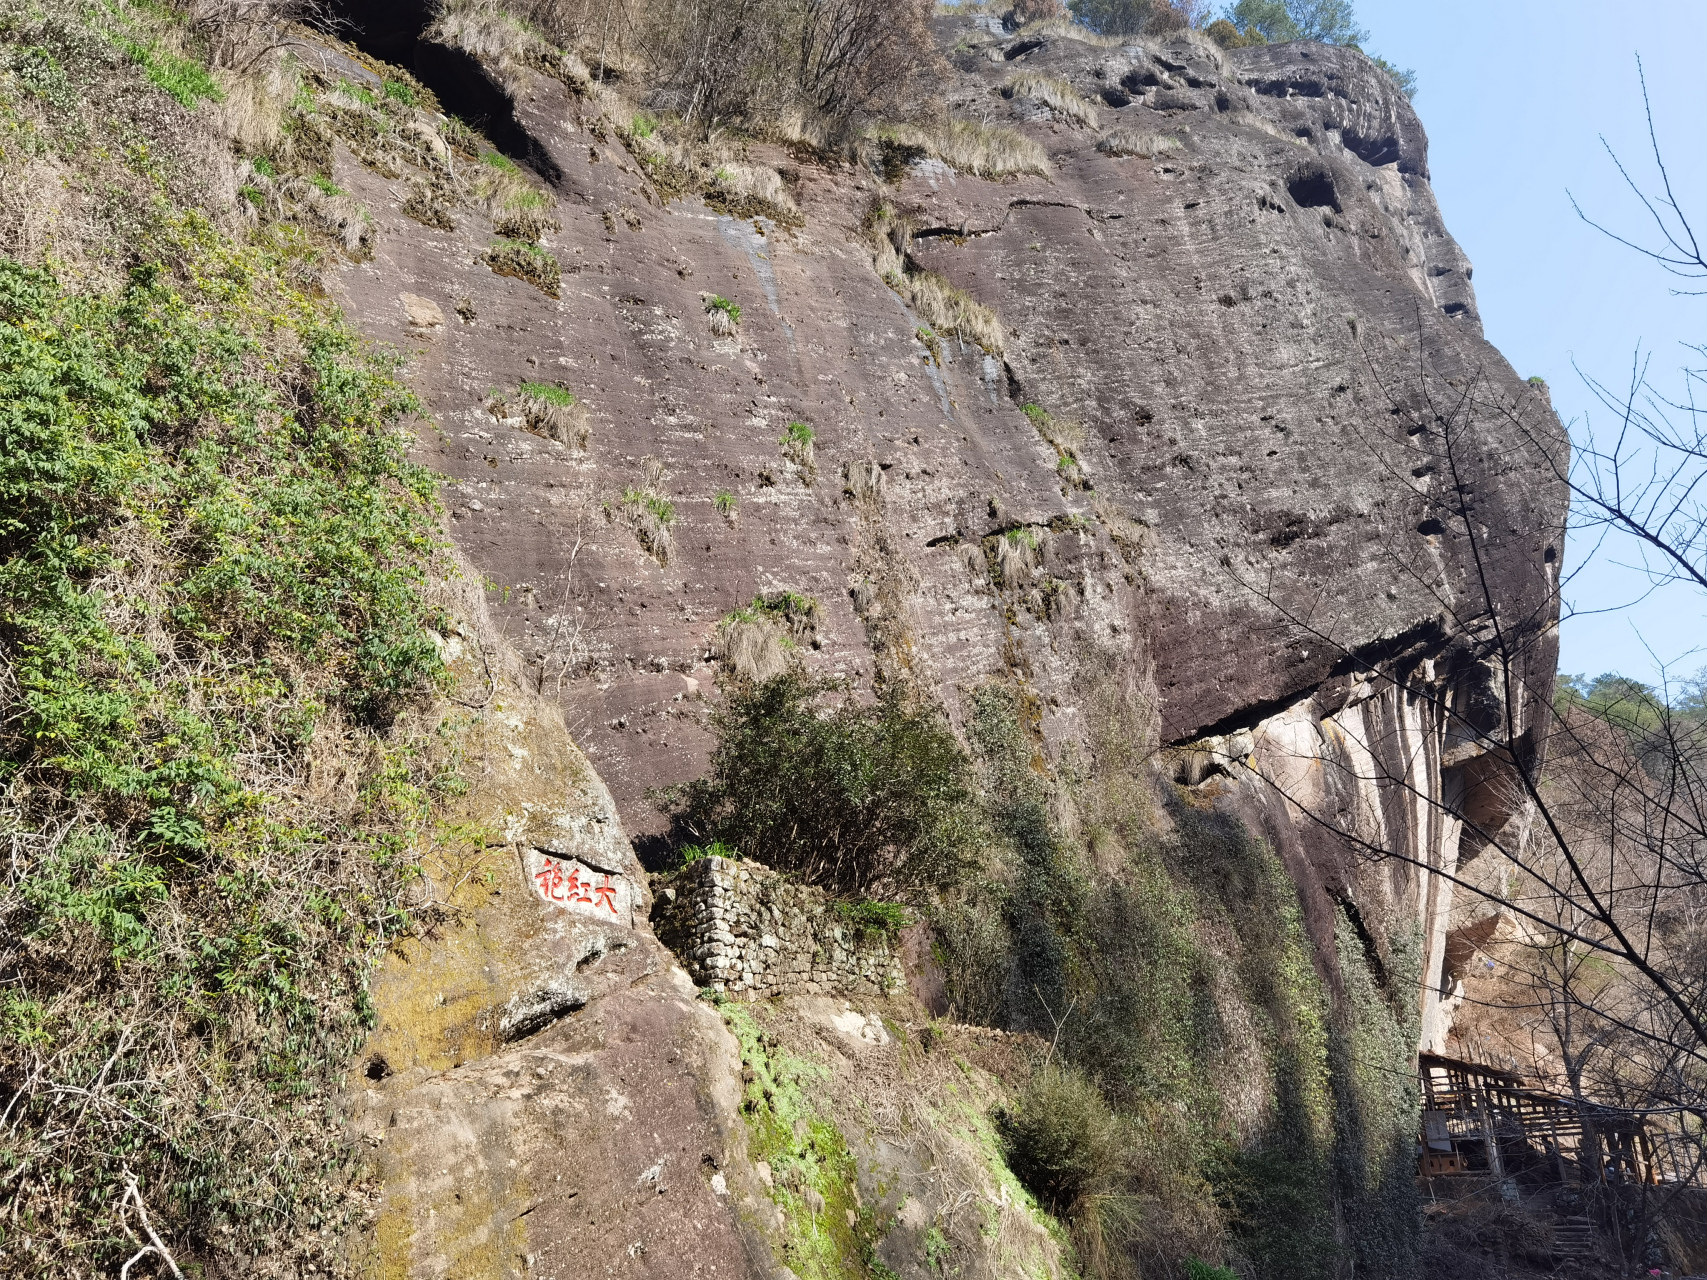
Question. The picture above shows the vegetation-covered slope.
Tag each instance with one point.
(215, 559)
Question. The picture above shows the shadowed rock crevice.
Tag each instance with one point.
(394, 31)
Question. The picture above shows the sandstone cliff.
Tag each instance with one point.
(1215, 478)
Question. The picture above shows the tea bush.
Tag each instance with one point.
(863, 800)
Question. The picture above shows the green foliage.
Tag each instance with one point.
(1123, 948)
(1113, 17)
(1198, 1269)
(1329, 21)
(808, 1157)
(861, 799)
(502, 163)
(401, 91)
(656, 505)
(1228, 36)
(1664, 727)
(1037, 413)
(798, 433)
(525, 261)
(865, 916)
(326, 184)
(213, 553)
(1062, 1139)
(692, 853)
(1403, 78)
(792, 610)
(1377, 1106)
(264, 167)
(1536, 380)
(550, 393)
(728, 308)
(725, 504)
(643, 126)
(185, 79)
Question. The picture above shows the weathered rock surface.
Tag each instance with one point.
(1272, 347)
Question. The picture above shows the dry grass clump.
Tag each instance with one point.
(545, 410)
(1067, 29)
(1137, 142)
(982, 150)
(646, 510)
(948, 310)
(682, 161)
(862, 481)
(507, 45)
(526, 262)
(951, 310)
(763, 640)
(1052, 92)
(752, 191)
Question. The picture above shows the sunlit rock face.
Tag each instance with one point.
(1299, 500)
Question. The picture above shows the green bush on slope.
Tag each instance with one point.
(213, 560)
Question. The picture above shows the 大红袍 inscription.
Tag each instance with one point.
(571, 884)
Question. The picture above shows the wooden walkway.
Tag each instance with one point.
(1479, 1119)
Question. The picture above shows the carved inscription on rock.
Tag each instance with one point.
(573, 885)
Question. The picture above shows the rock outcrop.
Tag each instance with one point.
(1243, 448)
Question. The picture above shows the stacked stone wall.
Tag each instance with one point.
(741, 928)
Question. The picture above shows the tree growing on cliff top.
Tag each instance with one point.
(1329, 21)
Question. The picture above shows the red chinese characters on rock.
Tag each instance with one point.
(556, 886)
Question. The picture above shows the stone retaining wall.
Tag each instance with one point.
(743, 929)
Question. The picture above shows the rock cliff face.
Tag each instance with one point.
(1300, 495)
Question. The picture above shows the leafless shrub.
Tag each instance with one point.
(237, 33)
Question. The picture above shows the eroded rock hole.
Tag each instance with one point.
(1313, 189)
(377, 1068)
(1431, 528)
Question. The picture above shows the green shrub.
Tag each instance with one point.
(865, 916)
(214, 554)
(402, 91)
(1198, 1269)
(728, 308)
(860, 799)
(798, 433)
(1063, 1141)
(725, 504)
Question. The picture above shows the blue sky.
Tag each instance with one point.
(1515, 95)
